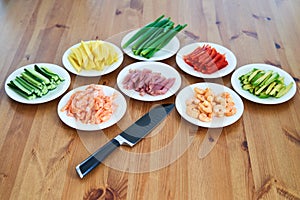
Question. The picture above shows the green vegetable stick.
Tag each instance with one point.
(149, 32)
(141, 31)
(156, 46)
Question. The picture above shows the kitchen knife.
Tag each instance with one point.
(131, 136)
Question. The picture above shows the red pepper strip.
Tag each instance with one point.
(216, 59)
(195, 52)
(188, 61)
(195, 57)
(222, 64)
(199, 53)
(213, 68)
(207, 59)
(217, 63)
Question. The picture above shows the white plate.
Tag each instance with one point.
(237, 86)
(53, 94)
(217, 122)
(230, 57)
(166, 52)
(92, 73)
(76, 124)
(165, 70)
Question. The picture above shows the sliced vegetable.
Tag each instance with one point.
(37, 76)
(153, 37)
(160, 25)
(141, 31)
(35, 82)
(262, 78)
(284, 90)
(161, 42)
(264, 84)
(206, 59)
(20, 92)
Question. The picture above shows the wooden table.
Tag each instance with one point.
(256, 157)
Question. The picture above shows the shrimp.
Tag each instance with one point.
(210, 98)
(220, 100)
(208, 93)
(192, 111)
(230, 110)
(90, 105)
(200, 97)
(199, 90)
(205, 117)
(205, 106)
(227, 97)
(219, 110)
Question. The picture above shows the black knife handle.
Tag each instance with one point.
(96, 158)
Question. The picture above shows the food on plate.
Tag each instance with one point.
(204, 105)
(92, 55)
(147, 82)
(264, 84)
(153, 37)
(206, 59)
(90, 106)
(34, 83)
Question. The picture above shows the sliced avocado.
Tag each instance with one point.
(262, 78)
(257, 76)
(253, 74)
(276, 89)
(284, 90)
(270, 80)
(270, 87)
(263, 95)
(260, 89)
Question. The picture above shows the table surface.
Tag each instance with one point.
(257, 157)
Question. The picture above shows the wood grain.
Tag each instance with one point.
(258, 157)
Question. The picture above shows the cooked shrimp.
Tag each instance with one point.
(220, 100)
(210, 98)
(219, 110)
(205, 106)
(205, 117)
(230, 110)
(90, 105)
(208, 92)
(200, 97)
(192, 111)
(199, 90)
(227, 97)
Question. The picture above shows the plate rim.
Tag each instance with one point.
(142, 64)
(218, 74)
(89, 127)
(92, 73)
(128, 51)
(44, 99)
(268, 101)
(226, 121)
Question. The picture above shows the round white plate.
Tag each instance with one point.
(217, 122)
(92, 73)
(51, 95)
(165, 70)
(119, 101)
(230, 57)
(237, 86)
(166, 52)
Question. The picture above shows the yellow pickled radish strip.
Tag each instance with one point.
(92, 55)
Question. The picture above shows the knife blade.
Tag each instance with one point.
(131, 136)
